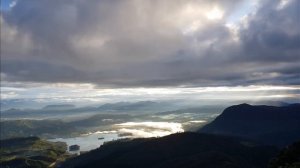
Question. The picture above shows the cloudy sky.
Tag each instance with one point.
(142, 49)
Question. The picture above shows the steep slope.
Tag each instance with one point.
(178, 150)
(267, 124)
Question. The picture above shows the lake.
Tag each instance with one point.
(147, 129)
(89, 141)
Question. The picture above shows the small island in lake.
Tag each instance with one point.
(74, 148)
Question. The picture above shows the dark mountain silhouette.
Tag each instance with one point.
(268, 124)
(187, 150)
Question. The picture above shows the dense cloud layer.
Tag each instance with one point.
(151, 43)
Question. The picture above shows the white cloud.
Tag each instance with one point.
(215, 14)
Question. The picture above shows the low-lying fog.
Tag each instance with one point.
(93, 140)
(143, 126)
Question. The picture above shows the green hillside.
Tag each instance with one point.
(30, 152)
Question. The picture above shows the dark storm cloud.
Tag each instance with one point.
(149, 43)
(272, 34)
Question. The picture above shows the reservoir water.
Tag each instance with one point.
(88, 142)
(147, 129)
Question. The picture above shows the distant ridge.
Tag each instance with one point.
(268, 124)
(271, 103)
(150, 106)
(128, 105)
(59, 107)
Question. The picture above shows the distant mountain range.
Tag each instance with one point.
(268, 124)
(59, 107)
(57, 110)
(20, 104)
(136, 106)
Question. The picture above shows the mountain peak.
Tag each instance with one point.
(267, 124)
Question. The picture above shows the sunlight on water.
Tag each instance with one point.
(93, 140)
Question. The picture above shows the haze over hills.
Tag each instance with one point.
(141, 106)
(81, 120)
(58, 123)
(67, 110)
(7, 104)
(59, 107)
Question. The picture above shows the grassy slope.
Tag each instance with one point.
(30, 152)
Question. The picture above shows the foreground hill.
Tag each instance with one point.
(187, 150)
(30, 152)
(288, 157)
(268, 124)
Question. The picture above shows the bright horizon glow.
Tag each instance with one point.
(85, 94)
(90, 89)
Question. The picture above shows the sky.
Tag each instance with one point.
(127, 50)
